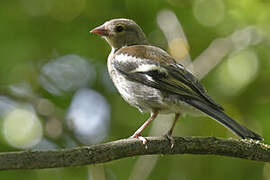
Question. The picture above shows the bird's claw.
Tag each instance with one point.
(141, 138)
(171, 139)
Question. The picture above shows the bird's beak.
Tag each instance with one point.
(100, 30)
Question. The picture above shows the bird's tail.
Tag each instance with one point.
(225, 120)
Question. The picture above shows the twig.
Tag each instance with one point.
(101, 153)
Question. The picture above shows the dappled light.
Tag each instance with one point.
(20, 125)
(54, 128)
(66, 74)
(6, 105)
(209, 12)
(221, 47)
(22, 128)
(237, 72)
(89, 116)
(178, 45)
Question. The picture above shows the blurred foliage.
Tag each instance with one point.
(55, 91)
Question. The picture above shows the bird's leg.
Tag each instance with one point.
(137, 134)
(169, 133)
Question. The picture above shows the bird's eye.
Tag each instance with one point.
(119, 28)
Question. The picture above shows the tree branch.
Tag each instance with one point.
(246, 149)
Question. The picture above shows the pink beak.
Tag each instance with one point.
(100, 30)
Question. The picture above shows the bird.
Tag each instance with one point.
(148, 78)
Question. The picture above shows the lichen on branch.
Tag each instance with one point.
(101, 153)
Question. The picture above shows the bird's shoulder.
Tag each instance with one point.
(145, 52)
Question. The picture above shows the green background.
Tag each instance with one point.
(36, 32)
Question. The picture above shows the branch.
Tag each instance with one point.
(246, 149)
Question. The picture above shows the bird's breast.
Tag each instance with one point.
(143, 97)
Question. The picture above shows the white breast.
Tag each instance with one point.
(141, 96)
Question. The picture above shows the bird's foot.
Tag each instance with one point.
(141, 138)
(170, 138)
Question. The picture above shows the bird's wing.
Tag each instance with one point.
(154, 67)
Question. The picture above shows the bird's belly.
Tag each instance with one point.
(175, 105)
(143, 97)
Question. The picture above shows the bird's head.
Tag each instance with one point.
(121, 32)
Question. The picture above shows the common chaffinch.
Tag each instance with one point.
(148, 78)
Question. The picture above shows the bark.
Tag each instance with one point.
(101, 153)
